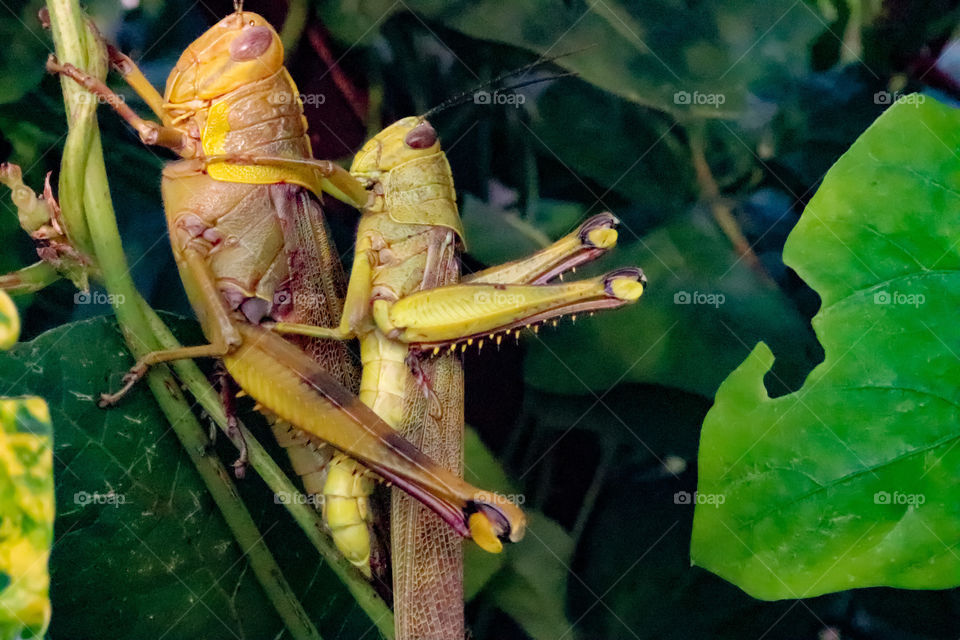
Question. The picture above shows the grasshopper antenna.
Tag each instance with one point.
(467, 95)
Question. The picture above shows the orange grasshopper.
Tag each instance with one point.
(406, 302)
(232, 113)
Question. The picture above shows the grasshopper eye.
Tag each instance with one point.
(250, 44)
(422, 136)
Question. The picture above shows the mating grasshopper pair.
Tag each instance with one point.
(256, 261)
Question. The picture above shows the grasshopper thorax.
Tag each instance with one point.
(240, 49)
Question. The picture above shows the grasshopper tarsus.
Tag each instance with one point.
(242, 462)
(130, 378)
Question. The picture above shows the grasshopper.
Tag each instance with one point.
(406, 303)
(232, 113)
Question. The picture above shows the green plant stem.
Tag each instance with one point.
(89, 194)
(70, 41)
(29, 279)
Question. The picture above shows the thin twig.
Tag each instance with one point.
(719, 206)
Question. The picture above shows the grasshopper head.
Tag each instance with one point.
(240, 49)
(404, 140)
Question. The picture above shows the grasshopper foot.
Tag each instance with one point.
(241, 463)
(599, 232)
(625, 284)
(129, 379)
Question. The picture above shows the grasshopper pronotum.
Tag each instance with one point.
(232, 113)
(409, 308)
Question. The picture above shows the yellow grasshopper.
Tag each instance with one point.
(406, 303)
(232, 112)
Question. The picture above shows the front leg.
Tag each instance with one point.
(138, 82)
(592, 239)
(445, 315)
(218, 327)
(319, 176)
(150, 133)
(356, 304)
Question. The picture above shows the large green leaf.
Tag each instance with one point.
(142, 551)
(26, 511)
(852, 481)
(646, 52)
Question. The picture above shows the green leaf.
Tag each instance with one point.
(26, 511)
(852, 480)
(645, 52)
(701, 311)
(140, 539)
